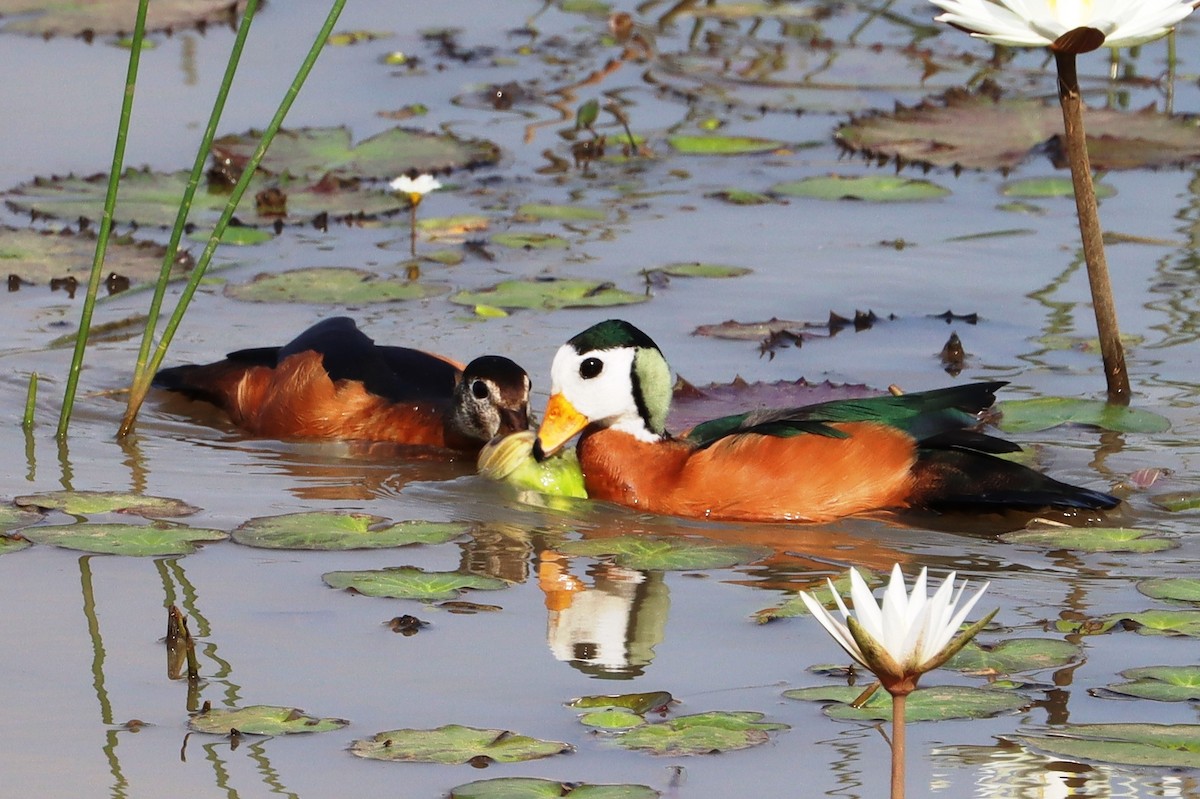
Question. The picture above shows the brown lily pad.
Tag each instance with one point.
(982, 131)
(692, 405)
(41, 257)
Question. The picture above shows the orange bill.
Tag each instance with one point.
(560, 422)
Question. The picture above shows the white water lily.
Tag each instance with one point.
(905, 636)
(415, 188)
(1041, 23)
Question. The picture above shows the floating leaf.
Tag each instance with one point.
(612, 720)
(1092, 539)
(977, 131)
(331, 285)
(1161, 683)
(698, 269)
(924, 704)
(548, 295)
(14, 518)
(139, 540)
(701, 733)
(742, 197)
(511, 460)
(1162, 622)
(261, 720)
(331, 530)
(560, 213)
(530, 241)
(37, 18)
(533, 788)
(14, 543)
(1038, 188)
(40, 256)
(1148, 745)
(723, 145)
(795, 606)
(874, 188)
(1182, 589)
(635, 703)
(454, 744)
(1015, 655)
(409, 582)
(321, 152)
(655, 553)
(1183, 500)
(85, 503)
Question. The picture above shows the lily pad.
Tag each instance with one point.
(714, 144)
(320, 152)
(151, 199)
(561, 213)
(1161, 683)
(530, 241)
(634, 703)
(1162, 622)
(409, 582)
(873, 188)
(534, 788)
(655, 553)
(39, 256)
(13, 543)
(331, 285)
(698, 269)
(15, 518)
(548, 294)
(1147, 745)
(743, 197)
(612, 720)
(924, 704)
(261, 720)
(795, 606)
(1040, 188)
(85, 503)
(1182, 589)
(139, 540)
(511, 460)
(1015, 655)
(976, 131)
(701, 733)
(1179, 501)
(330, 530)
(1092, 539)
(111, 17)
(454, 744)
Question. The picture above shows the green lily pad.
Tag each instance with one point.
(1182, 589)
(39, 256)
(1039, 188)
(1147, 745)
(531, 241)
(743, 197)
(15, 518)
(319, 152)
(446, 257)
(714, 144)
(561, 213)
(511, 460)
(873, 188)
(138, 540)
(534, 788)
(1162, 622)
(1085, 626)
(1015, 655)
(235, 235)
(924, 704)
(655, 553)
(85, 503)
(697, 269)
(409, 582)
(1175, 502)
(1092, 539)
(454, 744)
(634, 703)
(1042, 413)
(701, 733)
(548, 294)
(330, 530)
(447, 226)
(38, 18)
(261, 720)
(13, 543)
(795, 606)
(612, 720)
(1161, 683)
(151, 199)
(331, 285)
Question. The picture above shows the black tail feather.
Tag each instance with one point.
(961, 479)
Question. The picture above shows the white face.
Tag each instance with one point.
(600, 386)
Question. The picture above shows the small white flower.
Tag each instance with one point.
(418, 186)
(907, 635)
(1040, 23)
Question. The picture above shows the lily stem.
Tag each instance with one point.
(898, 702)
(1113, 354)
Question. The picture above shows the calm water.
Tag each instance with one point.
(82, 653)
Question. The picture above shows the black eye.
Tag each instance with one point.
(479, 389)
(590, 368)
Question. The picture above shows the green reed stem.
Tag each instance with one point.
(110, 203)
(30, 402)
(145, 375)
(141, 376)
